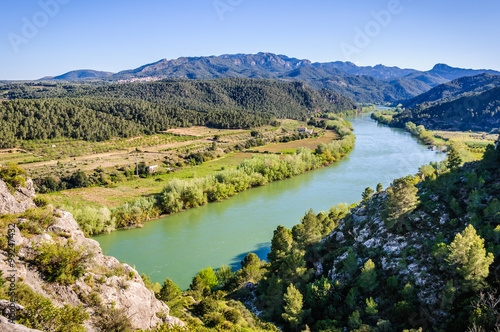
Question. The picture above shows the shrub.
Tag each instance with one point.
(113, 320)
(60, 262)
(41, 313)
(40, 201)
(13, 176)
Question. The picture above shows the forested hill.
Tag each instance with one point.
(123, 110)
(477, 112)
(423, 254)
(457, 88)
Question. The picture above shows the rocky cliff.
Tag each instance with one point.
(105, 282)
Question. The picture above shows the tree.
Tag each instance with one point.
(367, 194)
(280, 244)
(251, 269)
(350, 263)
(371, 307)
(79, 179)
(208, 277)
(293, 307)
(401, 199)
(468, 254)
(368, 278)
(169, 291)
(379, 187)
(225, 276)
(453, 160)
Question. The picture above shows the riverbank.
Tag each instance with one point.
(471, 145)
(210, 184)
(222, 233)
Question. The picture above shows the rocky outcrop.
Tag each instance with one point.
(17, 202)
(6, 326)
(106, 281)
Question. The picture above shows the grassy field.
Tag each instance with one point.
(169, 148)
(123, 192)
(310, 143)
(471, 144)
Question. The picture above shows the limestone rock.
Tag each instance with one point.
(18, 202)
(5, 326)
(115, 283)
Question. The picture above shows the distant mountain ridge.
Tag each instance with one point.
(362, 83)
(454, 89)
(79, 74)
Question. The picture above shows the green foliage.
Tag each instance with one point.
(468, 254)
(355, 321)
(13, 176)
(169, 291)
(61, 262)
(293, 314)
(401, 200)
(379, 187)
(281, 243)
(350, 263)
(208, 278)
(252, 269)
(368, 279)
(113, 320)
(453, 160)
(41, 314)
(367, 194)
(371, 307)
(93, 220)
(40, 201)
(226, 277)
(492, 211)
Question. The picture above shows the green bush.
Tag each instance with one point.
(40, 313)
(113, 320)
(60, 262)
(40, 201)
(13, 176)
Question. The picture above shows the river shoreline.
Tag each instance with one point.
(222, 233)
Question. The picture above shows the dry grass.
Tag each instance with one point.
(310, 143)
(461, 136)
(200, 131)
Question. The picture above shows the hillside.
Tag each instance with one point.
(63, 282)
(479, 112)
(375, 84)
(79, 75)
(102, 112)
(421, 254)
(457, 88)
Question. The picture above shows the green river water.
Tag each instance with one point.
(215, 234)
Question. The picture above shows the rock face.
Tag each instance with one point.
(115, 284)
(18, 202)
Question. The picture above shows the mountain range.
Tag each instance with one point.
(375, 84)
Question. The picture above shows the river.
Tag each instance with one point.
(215, 234)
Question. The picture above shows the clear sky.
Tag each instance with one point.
(50, 37)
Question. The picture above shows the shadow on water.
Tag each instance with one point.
(261, 250)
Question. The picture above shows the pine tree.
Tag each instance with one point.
(371, 306)
(169, 291)
(280, 244)
(367, 194)
(293, 307)
(453, 160)
(401, 199)
(379, 187)
(368, 278)
(467, 252)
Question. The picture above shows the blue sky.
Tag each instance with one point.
(50, 37)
